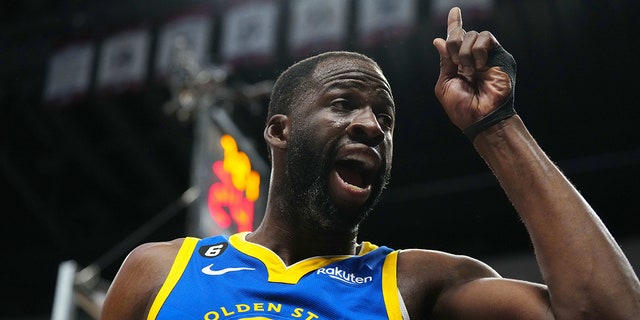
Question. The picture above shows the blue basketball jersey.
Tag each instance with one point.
(230, 278)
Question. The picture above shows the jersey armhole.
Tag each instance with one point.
(178, 267)
(392, 299)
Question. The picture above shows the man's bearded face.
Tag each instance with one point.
(307, 176)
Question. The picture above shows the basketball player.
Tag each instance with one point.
(329, 130)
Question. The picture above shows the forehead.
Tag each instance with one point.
(350, 68)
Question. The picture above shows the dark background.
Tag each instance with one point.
(77, 180)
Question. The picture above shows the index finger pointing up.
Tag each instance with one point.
(454, 22)
(455, 34)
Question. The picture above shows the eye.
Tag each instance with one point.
(385, 120)
(342, 104)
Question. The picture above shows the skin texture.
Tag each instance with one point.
(350, 113)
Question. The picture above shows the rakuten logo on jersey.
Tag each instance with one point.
(339, 274)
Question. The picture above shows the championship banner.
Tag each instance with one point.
(123, 60)
(383, 20)
(473, 10)
(69, 73)
(316, 26)
(185, 36)
(249, 32)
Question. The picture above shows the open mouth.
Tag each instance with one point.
(355, 173)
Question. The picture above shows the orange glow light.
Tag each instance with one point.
(237, 189)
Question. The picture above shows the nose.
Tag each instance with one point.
(365, 128)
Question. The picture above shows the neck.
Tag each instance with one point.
(294, 243)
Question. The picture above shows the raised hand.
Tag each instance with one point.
(477, 77)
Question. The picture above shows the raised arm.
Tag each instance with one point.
(587, 274)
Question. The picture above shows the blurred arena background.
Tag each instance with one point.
(112, 114)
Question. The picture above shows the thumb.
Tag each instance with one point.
(448, 69)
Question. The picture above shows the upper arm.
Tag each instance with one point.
(138, 281)
(494, 298)
(446, 286)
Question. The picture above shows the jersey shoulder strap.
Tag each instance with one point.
(178, 267)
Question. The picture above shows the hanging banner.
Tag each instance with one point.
(383, 20)
(316, 26)
(474, 11)
(69, 73)
(123, 60)
(249, 32)
(185, 36)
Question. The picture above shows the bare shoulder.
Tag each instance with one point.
(158, 254)
(461, 287)
(424, 274)
(450, 267)
(139, 279)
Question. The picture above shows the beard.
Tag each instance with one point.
(307, 189)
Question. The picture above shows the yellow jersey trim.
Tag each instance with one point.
(178, 267)
(276, 268)
(390, 286)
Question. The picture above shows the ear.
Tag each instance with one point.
(276, 132)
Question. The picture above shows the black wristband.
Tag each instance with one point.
(498, 57)
(503, 112)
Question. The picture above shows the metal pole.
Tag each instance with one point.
(63, 303)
